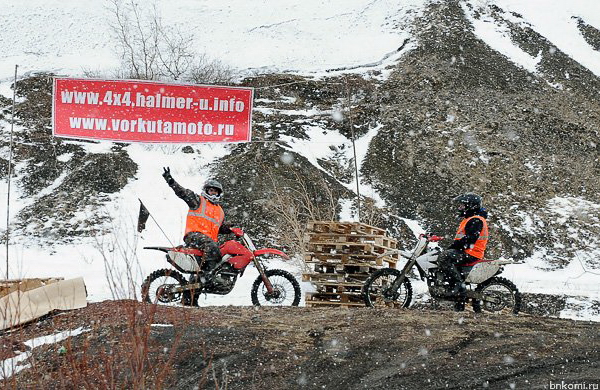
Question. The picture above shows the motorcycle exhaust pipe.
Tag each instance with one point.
(186, 287)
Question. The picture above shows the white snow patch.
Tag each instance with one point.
(555, 21)
(498, 38)
(68, 36)
(64, 157)
(573, 280)
(14, 365)
(414, 226)
(574, 206)
(580, 308)
(317, 145)
(533, 167)
(346, 213)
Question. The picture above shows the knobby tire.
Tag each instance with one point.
(477, 305)
(371, 294)
(159, 274)
(259, 287)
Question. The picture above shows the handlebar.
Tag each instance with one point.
(431, 237)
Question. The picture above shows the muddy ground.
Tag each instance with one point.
(134, 345)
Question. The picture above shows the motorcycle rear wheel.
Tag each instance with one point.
(286, 289)
(153, 288)
(377, 291)
(499, 288)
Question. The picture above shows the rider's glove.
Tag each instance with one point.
(237, 231)
(167, 175)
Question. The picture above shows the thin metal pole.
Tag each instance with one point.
(353, 147)
(10, 154)
(163, 232)
(156, 222)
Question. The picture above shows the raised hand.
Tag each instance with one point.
(167, 175)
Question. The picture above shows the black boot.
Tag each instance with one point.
(212, 257)
(459, 289)
(460, 305)
(209, 268)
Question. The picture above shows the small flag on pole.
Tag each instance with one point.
(142, 217)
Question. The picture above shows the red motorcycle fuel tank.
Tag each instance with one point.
(240, 255)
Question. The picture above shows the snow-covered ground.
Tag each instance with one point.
(554, 20)
(69, 37)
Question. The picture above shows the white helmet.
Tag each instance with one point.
(211, 183)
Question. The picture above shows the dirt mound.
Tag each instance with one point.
(127, 344)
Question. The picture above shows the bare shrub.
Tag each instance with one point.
(370, 213)
(118, 251)
(295, 202)
(206, 70)
(150, 50)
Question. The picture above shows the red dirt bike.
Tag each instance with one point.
(274, 287)
(392, 287)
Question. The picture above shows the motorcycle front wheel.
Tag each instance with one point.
(500, 295)
(286, 289)
(378, 290)
(155, 288)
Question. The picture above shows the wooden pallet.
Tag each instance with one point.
(350, 260)
(343, 256)
(338, 287)
(348, 248)
(377, 240)
(346, 305)
(337, 277)
(347, 269)
(334, 299)
(343, 228)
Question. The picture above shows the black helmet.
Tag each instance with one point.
(467, 203)
(211, 183)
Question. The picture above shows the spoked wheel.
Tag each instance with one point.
(378, 290)
(157, 287)
(500, 296)
(286, 290)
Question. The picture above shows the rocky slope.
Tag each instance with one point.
(454, 116)
(461, 117)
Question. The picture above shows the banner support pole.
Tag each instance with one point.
(10, 155)
(353, 146)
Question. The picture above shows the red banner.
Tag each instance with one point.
(143, 111)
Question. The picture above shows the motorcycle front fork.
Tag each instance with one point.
(263, 275)
(398, 282)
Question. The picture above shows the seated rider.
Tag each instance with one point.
(469, 243)
(204, 219)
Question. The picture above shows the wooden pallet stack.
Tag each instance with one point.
(343, 255)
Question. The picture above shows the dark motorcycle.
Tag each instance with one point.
(273, 287)
(485, 289)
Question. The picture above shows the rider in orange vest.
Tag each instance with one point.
(204, 220)
(469, 243)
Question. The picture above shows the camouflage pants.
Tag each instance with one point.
(448, 262)
(212, 253)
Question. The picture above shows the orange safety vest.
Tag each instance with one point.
(479, 248)
(206, 219)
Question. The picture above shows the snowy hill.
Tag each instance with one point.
(492, 96)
